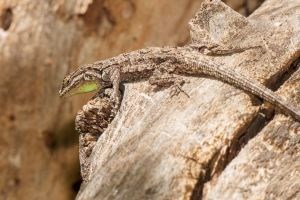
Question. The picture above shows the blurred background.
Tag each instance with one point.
(42, 41)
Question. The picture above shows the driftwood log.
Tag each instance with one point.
(40, 41)
(218, 143)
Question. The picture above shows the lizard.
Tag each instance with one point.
(162, 66)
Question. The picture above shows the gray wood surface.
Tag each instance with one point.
(40, 42)
(180, 147)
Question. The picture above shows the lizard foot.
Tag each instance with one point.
(176, 89)
(171, 81)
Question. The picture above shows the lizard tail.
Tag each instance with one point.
(253, 87)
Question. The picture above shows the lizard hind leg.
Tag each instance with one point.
(161, 80)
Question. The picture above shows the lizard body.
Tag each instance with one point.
(147, 63)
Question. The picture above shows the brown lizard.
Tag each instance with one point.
(161, 66)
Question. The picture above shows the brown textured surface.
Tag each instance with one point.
(40, 42)
(176, 146)
(99, 110)
(268, 167)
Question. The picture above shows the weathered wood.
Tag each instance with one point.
(268, 167)
(39, 42)
(163, 147)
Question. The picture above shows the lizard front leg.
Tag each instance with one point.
(115, 78)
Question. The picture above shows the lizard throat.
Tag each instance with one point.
(84, 87)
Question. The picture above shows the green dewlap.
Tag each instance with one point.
(85, 87)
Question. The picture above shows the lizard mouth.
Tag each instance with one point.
(61, 94)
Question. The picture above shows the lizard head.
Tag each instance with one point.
(85, 79)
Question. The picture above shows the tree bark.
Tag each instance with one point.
(40, 41)
(215, 143)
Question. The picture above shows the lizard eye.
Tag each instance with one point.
(67, 80)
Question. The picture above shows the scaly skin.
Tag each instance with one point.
(145, 64)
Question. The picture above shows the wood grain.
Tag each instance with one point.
(163, 147)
